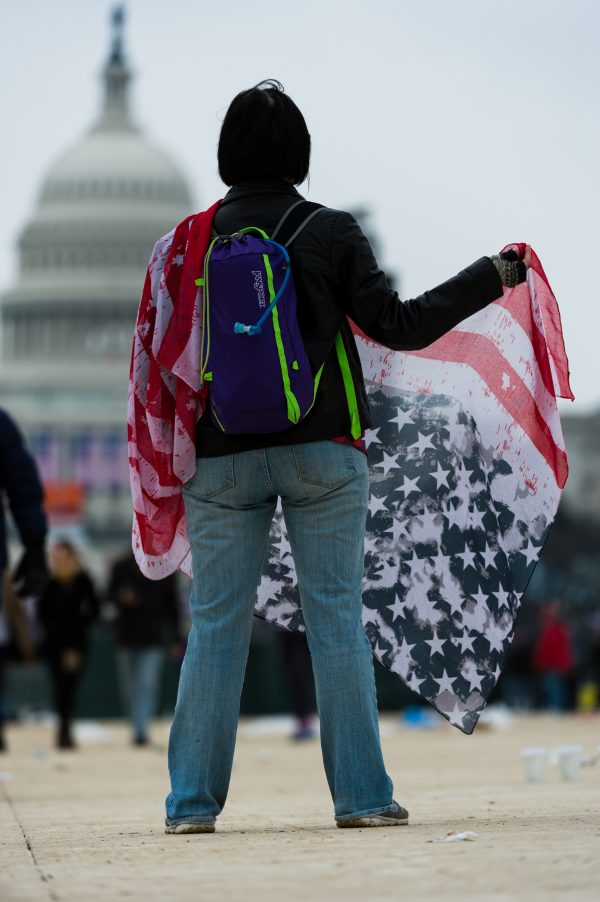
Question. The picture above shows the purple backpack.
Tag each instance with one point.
(253, 356)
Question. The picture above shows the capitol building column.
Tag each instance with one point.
(67, 322)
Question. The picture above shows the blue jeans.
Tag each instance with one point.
(554, 689)
(229, 506)
(139, 672)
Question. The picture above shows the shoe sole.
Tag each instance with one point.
(374, 821)
(191, 828)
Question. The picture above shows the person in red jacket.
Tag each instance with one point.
(553, 658)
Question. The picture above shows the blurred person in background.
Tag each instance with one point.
(21, 491)
(67, 608)
(297, 665)
(517, 679)
(589, 692)
(147, 623)
(553, 659)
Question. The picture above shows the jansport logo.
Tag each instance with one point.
(259, 287)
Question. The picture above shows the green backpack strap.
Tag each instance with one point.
(355, 427)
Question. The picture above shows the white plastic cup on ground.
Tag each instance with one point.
(569, 761)
(535, 760)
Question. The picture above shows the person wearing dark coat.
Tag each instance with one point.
(21, 492)
(66, 610)
(147, 622)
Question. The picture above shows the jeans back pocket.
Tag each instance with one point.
(328, 464)
(213, 476)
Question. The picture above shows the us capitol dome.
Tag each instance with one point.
(67, 323)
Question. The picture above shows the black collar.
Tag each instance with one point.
(258, 187)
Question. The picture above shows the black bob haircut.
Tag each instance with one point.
(263, 136)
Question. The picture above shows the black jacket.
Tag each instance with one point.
(336, 277)
(148, 610)
(66, 611)
(20, 485)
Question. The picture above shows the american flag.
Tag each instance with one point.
(467, 466)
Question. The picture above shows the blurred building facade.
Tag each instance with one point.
(67, 322)
(582, 491)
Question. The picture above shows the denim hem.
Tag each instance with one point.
(367, 812)
(192, 819)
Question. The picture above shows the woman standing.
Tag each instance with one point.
(147, 623)
(66, 608)
(317, 468)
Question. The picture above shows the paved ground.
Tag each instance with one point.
(87, 825)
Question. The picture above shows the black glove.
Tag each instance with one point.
(511, 270)
(31, 575)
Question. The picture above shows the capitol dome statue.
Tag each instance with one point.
(67, 323)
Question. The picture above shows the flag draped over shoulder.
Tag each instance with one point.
(467, 466)
(164, 398)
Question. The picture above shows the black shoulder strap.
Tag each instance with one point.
(294, 220)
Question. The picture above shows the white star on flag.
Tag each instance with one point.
(378, 651)
(416, 564)
(398, 529)
(531, 553)
(428, 520)
(445, 682)
(403, 659)
(502, 595)
(495, 636)
(397, 609)
(456, 602)
(437, 645)
(480, 598)
(372, 437)
(402, 419)
(476, 518)
(423, 443)
(409, 486)
(376, 504)
(471, 674)
(467, 556)
(454, 516)
(489, 557)
(457, 715)
(465, 641)
(413, 682)
(388, 463)
(440, 476)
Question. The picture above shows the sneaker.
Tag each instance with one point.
(190, 827)
(396, 816)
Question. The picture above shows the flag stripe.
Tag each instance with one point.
(422, 376)
(481, 354)
(513, 343)
(520, 309)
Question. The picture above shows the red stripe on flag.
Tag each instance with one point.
(521, 313)
(482, 355)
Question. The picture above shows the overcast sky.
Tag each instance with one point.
(462, 124)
